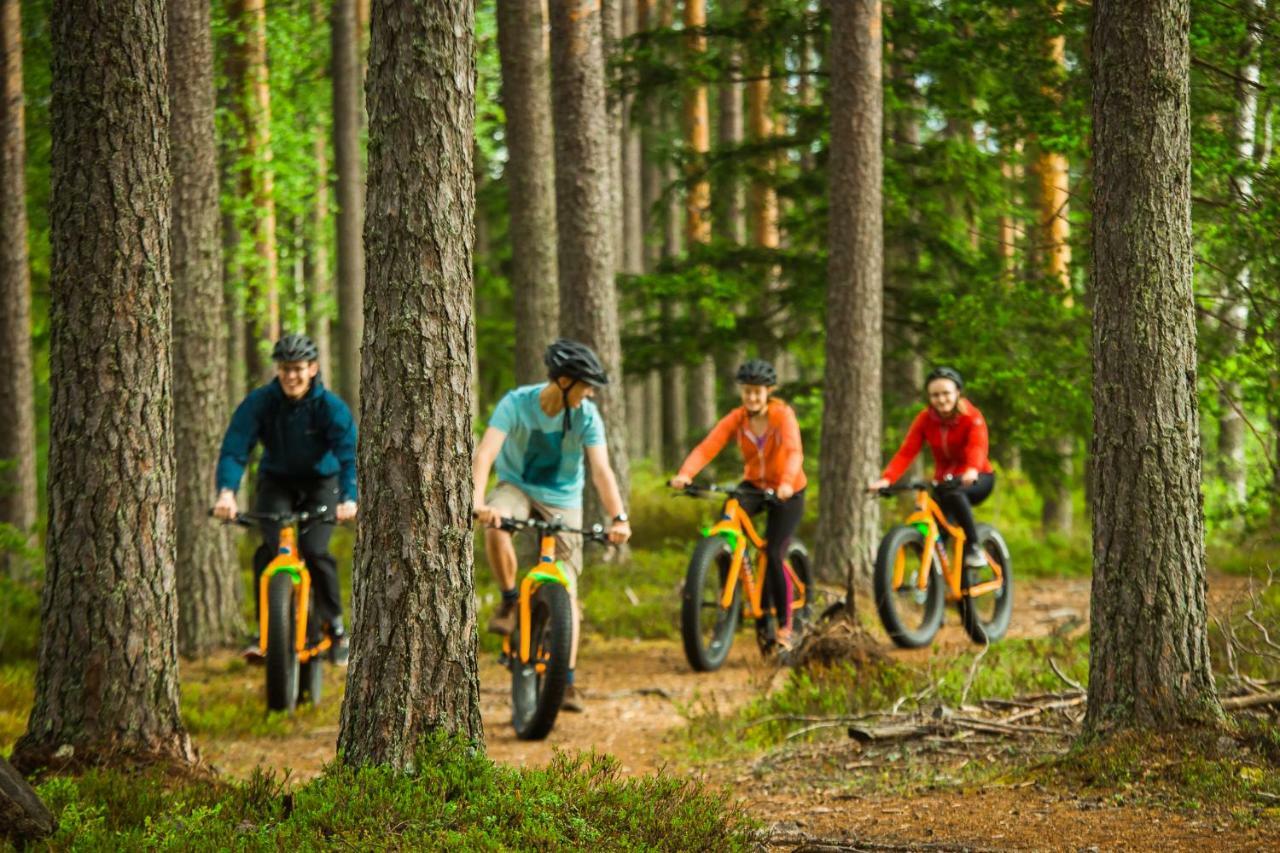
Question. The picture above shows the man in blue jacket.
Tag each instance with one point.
(308, 461)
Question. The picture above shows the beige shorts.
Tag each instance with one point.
(509, 501)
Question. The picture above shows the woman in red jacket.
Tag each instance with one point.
(769, 438)
(957, 435)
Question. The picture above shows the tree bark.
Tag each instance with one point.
(632, 168)
(588, 296)
(526, 99)
(1149, 652)
(611, 35)
(347, 111)
(22, 815)
(1235, 307)
(413, 656)
(18, 500)
(107, 679)
(848, 523)
(208, 579)
(318, 275)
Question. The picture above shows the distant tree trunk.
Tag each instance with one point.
(632, 169)
(611, 35)
(107, 679)
(319, 281)
(347, 120)
(588, 297)
(651, 184)
(18, 502)
(697, 205)
(526, 99)
(730, 204)
(1149, 650)
(762, 198)
(229, 99)
(848, 523)
(675, 410)
(413, 656)
(208, 578)
(1235, 308)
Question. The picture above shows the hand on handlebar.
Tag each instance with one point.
(679, 482)
(486, 515)
(345, 511)
(619, 532)
(225, 509)
(877, 485)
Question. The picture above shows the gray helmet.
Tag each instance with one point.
(945, 373)
(757, 371)
(576, 361)
(295, 347)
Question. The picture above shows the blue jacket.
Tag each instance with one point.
(313, 437)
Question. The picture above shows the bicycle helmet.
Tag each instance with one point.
(576, 361)
(295, 347)
(945, 373)
(757, 371)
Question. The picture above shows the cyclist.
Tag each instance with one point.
(769, 437)
(957, 435)
(538, 437)
(308, 461)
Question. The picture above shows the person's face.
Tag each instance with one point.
(754, 397)
(296, 376)
(578, 391)
(943, 396)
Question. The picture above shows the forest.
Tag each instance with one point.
(1064, 213)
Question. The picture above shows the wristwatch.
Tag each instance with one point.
(622, 517)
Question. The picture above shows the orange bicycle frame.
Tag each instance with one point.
(929, 515)
(736, 524)
(547, 571)
(287, 561)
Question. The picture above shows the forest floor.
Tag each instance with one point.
(644, 706)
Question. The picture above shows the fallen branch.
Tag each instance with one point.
(1236, 703)
(1068, 681)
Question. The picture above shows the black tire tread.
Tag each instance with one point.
(703, 560)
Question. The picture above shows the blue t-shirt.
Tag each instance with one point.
(537, 456)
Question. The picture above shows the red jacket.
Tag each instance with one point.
(957, 444)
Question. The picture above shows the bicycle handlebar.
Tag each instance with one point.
(948, 483)
(513, 525)
(253, 519)
(695, 491)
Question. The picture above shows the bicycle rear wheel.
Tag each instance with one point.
(706, 627)
(910, 615)
(986, 617)
(281, 653)
(800, 562)
(537, 687)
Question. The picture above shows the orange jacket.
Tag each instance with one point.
(771, 460)
(957, 444)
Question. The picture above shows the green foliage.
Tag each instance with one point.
(455, 798)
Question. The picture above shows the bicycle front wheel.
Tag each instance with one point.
(986, 616)
(281, 653)
(707, 627)
(537, 687)
(910, 615)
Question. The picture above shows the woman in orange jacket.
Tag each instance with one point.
(769, 437)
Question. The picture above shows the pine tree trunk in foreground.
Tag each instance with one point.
(848, 520)
(18, 500)
(208, 578)
(107, 679)
(526, 100)
(584, 219)
(413, 655)
(1149, 651)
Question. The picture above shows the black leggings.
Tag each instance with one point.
(784, 518)
(277, 495)
(958, 505)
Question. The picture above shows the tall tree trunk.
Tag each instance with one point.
(18, 502)
(258, 180)
(107, 679)
(632, 167)
(588, 296)
(762, 198)
(675, 412)
(651, 185)
(208, 579)
(610, 36)
(526, 99)
(697, 206)
(413, 656)
(848, 523)
(316, 271)
(1235, 308)
(1149, 651)
(347, 112)
(229, 98)
(730, 203)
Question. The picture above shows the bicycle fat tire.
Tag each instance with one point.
(536, 697)
(890, 602)
(707, 648)
(802, 564)
(979, 628)
(282, 656)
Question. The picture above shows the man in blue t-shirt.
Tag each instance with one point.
(538, 436)
(308, 440)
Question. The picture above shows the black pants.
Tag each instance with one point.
(783, 519)
(958, 505)
(279, 495)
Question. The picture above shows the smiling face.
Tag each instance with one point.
(295, 377)
(944, 396)
(755, 398)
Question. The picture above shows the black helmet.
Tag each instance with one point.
(576, 361)
(295, 348)
(945, 373)
(757, 371)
